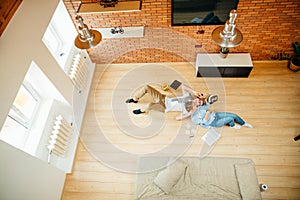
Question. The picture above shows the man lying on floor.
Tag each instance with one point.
(166, 102)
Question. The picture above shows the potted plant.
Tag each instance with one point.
(224, 52)
(294, 64)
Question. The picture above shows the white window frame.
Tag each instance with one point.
(20, 117)
(52, 30)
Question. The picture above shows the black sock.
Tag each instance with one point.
(138, 111)
(131, 101)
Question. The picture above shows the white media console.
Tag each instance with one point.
(212, 65)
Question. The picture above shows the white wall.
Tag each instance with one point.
(27, 178)
(21, 43)
(23, 176)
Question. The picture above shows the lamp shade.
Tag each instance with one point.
(226, 42)
(97, 37)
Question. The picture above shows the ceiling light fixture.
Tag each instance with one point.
(86, 37)
(228, 35)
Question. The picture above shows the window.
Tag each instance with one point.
(16, 127)
(24, 105)
(52, 41)
(59, 36)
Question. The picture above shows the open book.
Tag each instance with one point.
(211, 136)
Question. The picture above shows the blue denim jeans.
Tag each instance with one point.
(226, 118)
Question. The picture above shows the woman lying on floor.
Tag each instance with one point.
(200, 115)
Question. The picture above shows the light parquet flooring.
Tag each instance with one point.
(269, 99)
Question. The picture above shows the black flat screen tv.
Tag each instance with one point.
(201, 12)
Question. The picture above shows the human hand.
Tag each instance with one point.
(199, 95)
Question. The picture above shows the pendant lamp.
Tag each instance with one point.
(86, 37)
(228, 35)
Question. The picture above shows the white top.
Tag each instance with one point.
(232, 60)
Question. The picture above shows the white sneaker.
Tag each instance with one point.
(248, 125)
(236, 126)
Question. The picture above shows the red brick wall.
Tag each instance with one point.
(268, 26)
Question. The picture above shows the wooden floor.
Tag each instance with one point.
(269, 99)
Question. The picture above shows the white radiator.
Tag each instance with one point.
(60, 137)
(78, 72)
